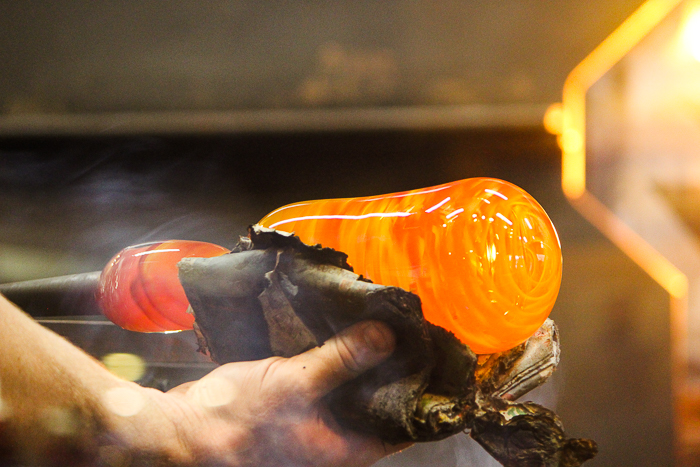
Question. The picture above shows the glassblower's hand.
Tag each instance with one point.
(60, 406)
(272, 412)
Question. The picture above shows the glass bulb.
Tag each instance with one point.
(481, 253)
(139, 289)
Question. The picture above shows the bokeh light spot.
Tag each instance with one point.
(691, 33)
(123, 401)
(125, 365)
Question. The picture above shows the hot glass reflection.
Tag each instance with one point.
(481, 253)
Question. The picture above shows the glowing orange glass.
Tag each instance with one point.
(139, 289)
(481, 253)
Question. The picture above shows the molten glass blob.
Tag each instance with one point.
(481, 253)
(139, 289)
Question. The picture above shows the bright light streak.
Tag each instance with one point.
(156, 251)
(403, 195)
(494, 192)
(491, 253)
(287, 207)
(429, 210)
(342, 216)
(454, 213)
(527, 221)
(503, 218)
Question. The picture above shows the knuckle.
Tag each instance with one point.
(270, 369)
(349, 355)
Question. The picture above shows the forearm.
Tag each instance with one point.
(57, 400)
(58, 403)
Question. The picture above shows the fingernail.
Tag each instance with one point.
(379, 337)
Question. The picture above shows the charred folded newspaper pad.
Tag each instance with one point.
(275, 296)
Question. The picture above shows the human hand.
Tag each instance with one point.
(59, 406)
(272, 412)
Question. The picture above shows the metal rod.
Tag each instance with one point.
(56, 296)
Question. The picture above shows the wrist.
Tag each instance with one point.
(144, 423)
(170, 428)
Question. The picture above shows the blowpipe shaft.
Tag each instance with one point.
(56, 296)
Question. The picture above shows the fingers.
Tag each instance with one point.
(306, 377)
(344, 356)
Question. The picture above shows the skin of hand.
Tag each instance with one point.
(278, 405)
(59, 406)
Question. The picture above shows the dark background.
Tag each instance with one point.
(81, 177)
(75, 56)
(68, 204)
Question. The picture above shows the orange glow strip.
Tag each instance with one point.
(595, 65)
(572, 141)
(654, 263)
(343, 216)
(670, 278)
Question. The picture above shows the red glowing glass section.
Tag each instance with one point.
(139, 289)
(481, 253)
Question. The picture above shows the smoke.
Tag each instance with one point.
(88, 199)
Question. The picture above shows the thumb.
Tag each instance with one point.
(345, 356)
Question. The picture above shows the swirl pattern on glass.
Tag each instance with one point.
(481, 253)
(139, 288)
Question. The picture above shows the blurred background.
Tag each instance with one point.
(128, 122)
